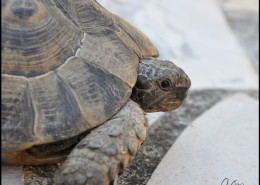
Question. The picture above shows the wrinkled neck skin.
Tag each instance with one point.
(161, 85)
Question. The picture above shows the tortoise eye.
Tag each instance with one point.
(164, 84)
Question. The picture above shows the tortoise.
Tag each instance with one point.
(77, 82)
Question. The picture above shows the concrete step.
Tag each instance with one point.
(221, 144)
(11, 175)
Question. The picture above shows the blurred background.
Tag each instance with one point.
(216, 43)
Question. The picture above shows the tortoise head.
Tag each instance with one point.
(161, 85)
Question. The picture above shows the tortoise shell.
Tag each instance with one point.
(67, 66)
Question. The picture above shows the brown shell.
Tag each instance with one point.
(67, 66)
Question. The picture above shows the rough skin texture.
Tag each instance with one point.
(161, 85)
(107, 150)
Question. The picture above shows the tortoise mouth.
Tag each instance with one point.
(165, 106)
(168, 106)
(171, 104)
(167, 103)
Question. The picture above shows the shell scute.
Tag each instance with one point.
(58, 114)
(38, 44)
(16, 113)
(75, 62)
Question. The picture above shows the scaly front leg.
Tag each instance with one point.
(107, 150)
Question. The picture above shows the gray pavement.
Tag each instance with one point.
(243, 18)
(164, 132)
(11, 175)
(220, 144)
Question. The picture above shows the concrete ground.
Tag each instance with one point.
(243, 22)
(220, 145)
(164, 132)
(220, 54)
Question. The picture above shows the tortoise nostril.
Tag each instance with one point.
(188, 83)
(183, 82)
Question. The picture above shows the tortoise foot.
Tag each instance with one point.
(106, 151)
